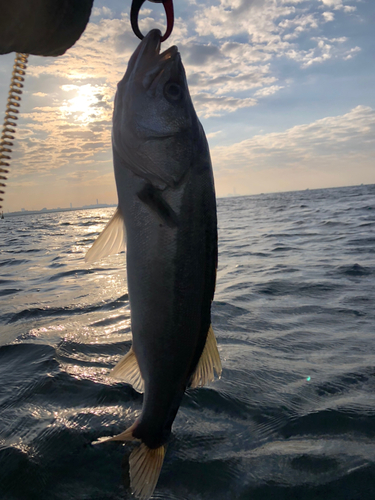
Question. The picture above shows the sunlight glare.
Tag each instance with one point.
(88, 105)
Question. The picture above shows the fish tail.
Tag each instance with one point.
(145, 466)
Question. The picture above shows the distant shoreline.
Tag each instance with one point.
(54, 210)
(104, 205)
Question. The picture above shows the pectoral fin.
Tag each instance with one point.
(111, 240)
(208, 362)
(127, 370)
(152, 197)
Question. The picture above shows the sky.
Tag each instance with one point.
(285, 90)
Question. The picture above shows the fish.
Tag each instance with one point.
(167, 215)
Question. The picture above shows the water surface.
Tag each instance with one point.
(293, 416)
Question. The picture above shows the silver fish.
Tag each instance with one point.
(167, 205)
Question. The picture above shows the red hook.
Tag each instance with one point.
(136, 7)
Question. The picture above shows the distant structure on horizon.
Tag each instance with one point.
(234, 192)
(59, 209)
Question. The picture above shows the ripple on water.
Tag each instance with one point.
(293, 414)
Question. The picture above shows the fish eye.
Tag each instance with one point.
(173, 91)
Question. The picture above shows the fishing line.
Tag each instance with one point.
(11, 112)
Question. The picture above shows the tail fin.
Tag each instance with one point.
(145, 466)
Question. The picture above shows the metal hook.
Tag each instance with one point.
(136, 7)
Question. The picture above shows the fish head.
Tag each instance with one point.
(154, 121)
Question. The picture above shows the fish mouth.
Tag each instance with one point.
(151, 63)
(151, 44)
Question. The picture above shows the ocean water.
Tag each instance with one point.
(293, 416)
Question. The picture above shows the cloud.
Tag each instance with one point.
(47, 140)
(298, 25)
(233, 51)
(256, 18)
(213, 105)
(198, 54)
(325, 49)
(337, 143)
(266, 91)
(211, 135)
(328, 16)
(333, 151)
(101, 11)
(98, 54)
(225, 83)
(79, 175)
(338, 4)
(232, 70)
(271, 26)
(74, 126)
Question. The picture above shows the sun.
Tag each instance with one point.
(89, 104)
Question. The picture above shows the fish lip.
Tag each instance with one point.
(153, 60)
(152, 43)
(170, 53)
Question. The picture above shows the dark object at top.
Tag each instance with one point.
(134, 11)
(42, 27)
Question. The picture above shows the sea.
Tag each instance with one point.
(293, 415)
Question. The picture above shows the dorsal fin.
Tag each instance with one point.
(208, 362)
(110, 241)
(127, 370)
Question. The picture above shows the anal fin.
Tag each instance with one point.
(208, 363)
(145, 466)
(110, 241)
(127, 370)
